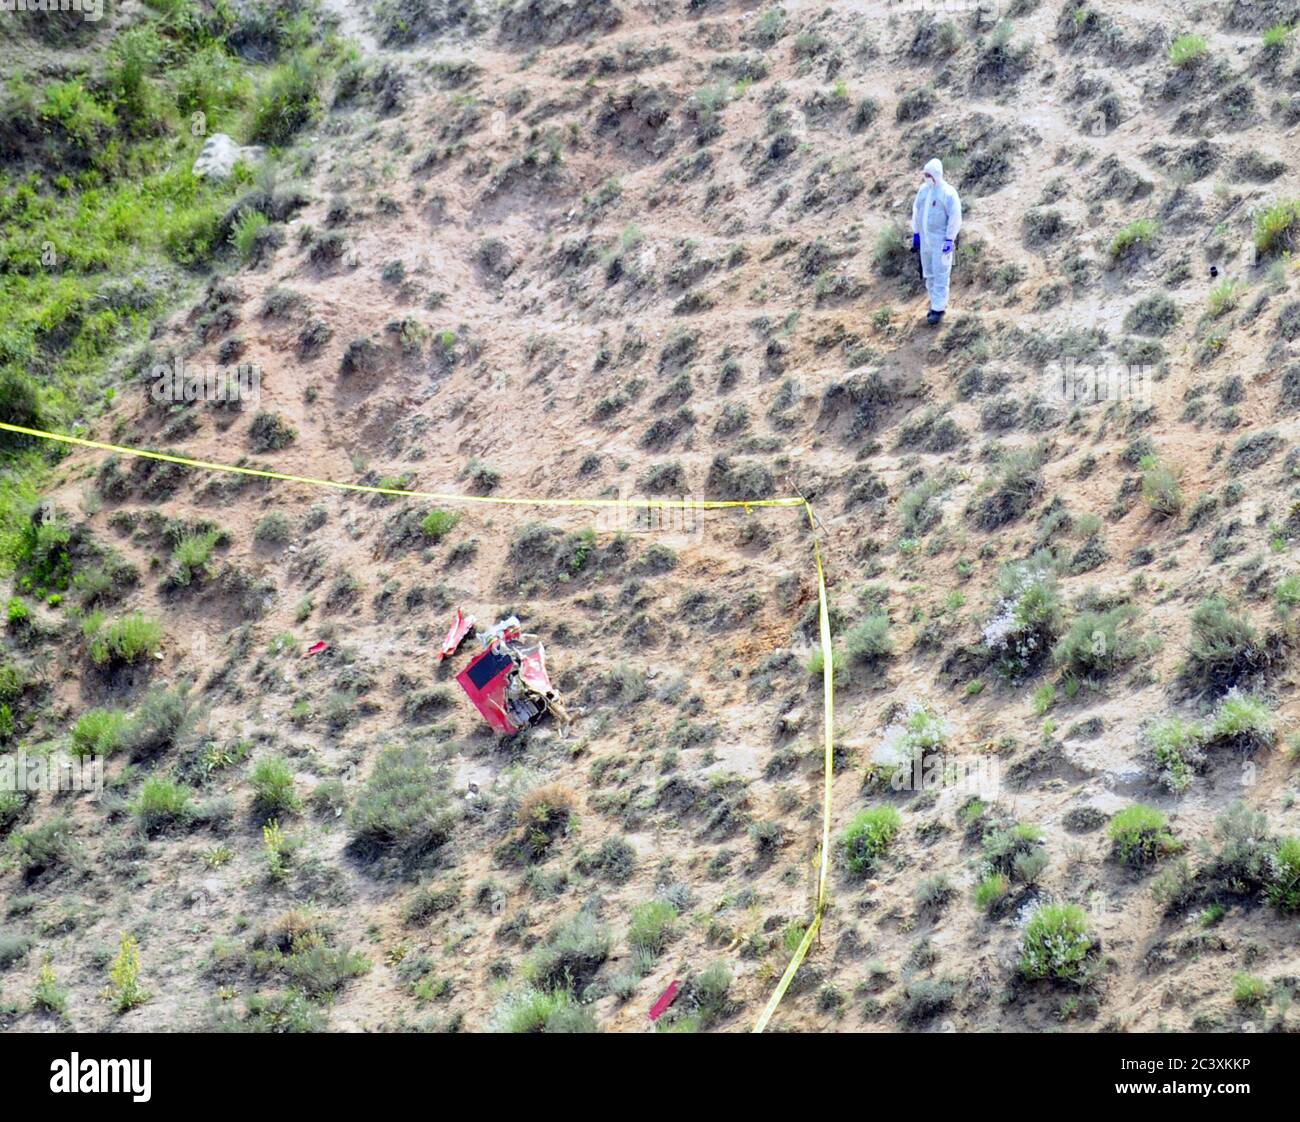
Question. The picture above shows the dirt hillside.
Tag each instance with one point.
(572, 249)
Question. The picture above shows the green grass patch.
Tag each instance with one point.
(1187, 49)
(1056, 944)
(1275, 227)
(1134, 236)
(437, 524)
(1140, 835)
(192, 557)
(867, 838)
(160, 804)
(125, 641)
(98, 732)
(651, 927)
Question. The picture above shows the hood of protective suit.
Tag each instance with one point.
(935, 168)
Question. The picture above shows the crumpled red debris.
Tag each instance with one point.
(660, 1007)
(460, 627)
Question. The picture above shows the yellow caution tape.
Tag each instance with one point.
(828, 724)
(828, 688)
(208, 465)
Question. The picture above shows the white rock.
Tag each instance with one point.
(220, 154)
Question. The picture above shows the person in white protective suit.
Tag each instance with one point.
(936, 220)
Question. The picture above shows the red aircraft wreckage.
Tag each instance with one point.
(507, 679)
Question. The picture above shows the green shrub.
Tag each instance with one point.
(1224, 648)
(244, 237)
(319, 970)
(160, 805)
(916, 511)
(891, 256)
(991, 891)
(569, 957)
(1224, 297)
(1276, 36)
(1160, 490)
(125, 990)
(272, 1013)
(1248, 989)
(1241, 868)
(125, 641)
(1029, 618)
(1140, 835)
(868, 836)
(12, 805)
(1176, 748)
(1241, 722)
(49, 996)
(133, 55)
(651, 927)
(1056, 944)
(708, 992)
(286, 103)
(19, 614)
(43, 848)
(212, 83)
(192, 556)
(924, 731)
(429, 902)
(20, 404)
(1275, 228)
(272, 529)
(815, 665)
(98, 732)
(933, 892)
(1287, 594)
(868, 640)
(160, 722)
(539, 1011)
(13, 948)
(76, 113)
(269, 432)
(1136, 235)
(1096, 642)
(13, 681)
(190, 235)
(1284, 891)
(926, 998)
(1186, 49)
(272, 781)
(1015, 851)
(437, 524)
(43, 556)
(544, 815)
(1155, 314)
(402, 815)
(615, 860)
(1009, 491)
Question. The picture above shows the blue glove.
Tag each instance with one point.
(947, 245)
(916, 241)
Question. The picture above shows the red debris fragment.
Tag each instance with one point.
(666, 998)
(316, 648)
(460, 627)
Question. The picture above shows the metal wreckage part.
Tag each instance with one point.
(506, 681)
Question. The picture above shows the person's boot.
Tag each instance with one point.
(933, 318)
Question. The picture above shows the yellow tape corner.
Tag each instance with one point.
(828, 688)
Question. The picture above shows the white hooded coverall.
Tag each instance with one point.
(936, 216)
